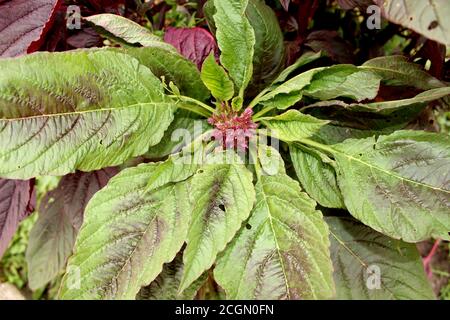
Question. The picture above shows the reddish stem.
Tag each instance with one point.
(429, 257)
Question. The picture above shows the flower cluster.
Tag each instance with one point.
(233, 130)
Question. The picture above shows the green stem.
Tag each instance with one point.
(194, 101)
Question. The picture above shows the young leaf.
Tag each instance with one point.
(126, 31)
(283, 250)
(23, 24)
(397, 71)
(426, 17)
(398, 184)
(17, 201)
(193, 43)
(216, 79)
(82, 110)
(317, 176)
(128, 234)
(165, 286)
(293, 125)
(60, 217)
(224, 196)
(236, 40)
(371, 266)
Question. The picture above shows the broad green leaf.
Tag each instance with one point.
(165, 286)
(82, 110)
(343, 81)
(429, 18)
(173, 67)
(126, 31)
(292, 125)
(128, 234)
(371, 266)
(60, 217)
(236, 40)
(269, 50)
(283, 250)
(216, 79)
(398, 184)
(397, 71)
(224, 196)
(317, 176)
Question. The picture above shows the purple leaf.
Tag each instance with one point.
(86, 38)
(17, 201)
(60, 217)
(23, 24)
(193, 43)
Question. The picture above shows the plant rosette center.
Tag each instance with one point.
(233, 130)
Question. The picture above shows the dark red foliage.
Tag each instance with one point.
(193, 43)
(17, 201)
(23, 24)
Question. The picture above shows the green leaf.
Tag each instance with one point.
(361, 254)
(317, 176)
(60, 217)
(216, 79)
(398, 184)
(129, 233)
(397, 71)
(82, 110)
(165, 286)
(343, 81)
(236, 40)
(126, 31)
(324, 83)
(173, 67)
(292, 125)
(426, 17)
(388, 107)
(269, 50)
(224, 196)
(282, 252)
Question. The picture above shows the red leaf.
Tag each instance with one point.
(193, 43)
(17, 201)
(74, 192)
(23, 24)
